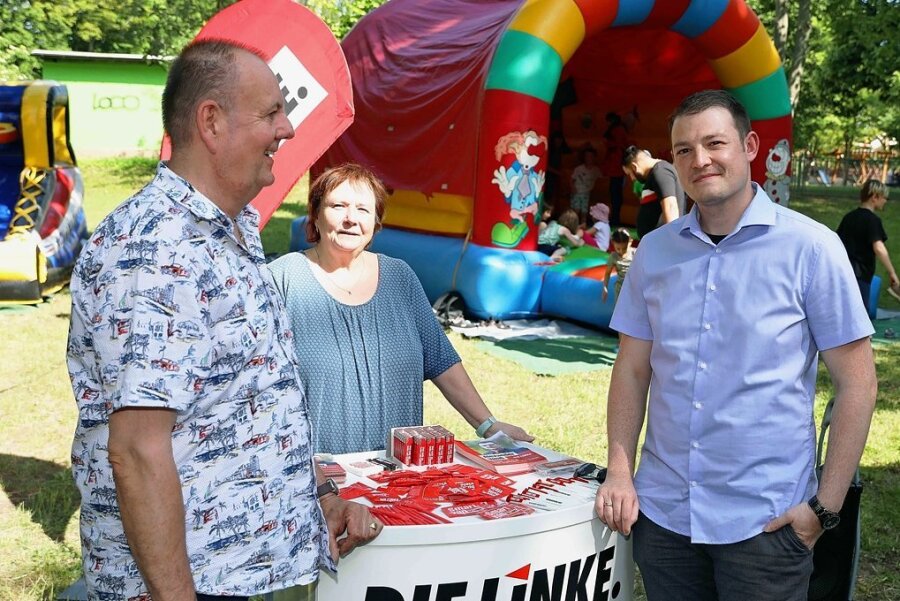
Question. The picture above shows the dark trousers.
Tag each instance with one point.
(865, 288)
(616, 197)
(768, 567)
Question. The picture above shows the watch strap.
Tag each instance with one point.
(326, 487)
(828, 519)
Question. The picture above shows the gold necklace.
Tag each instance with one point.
(349, 290)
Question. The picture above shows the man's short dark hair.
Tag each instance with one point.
(706, 99)
(205, 70)
(630, 154)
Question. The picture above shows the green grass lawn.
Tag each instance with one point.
(39, 548)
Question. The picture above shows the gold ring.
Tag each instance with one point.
(608, 503)
(373, 526)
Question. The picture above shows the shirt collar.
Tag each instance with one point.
(181, 191)
(760, 211)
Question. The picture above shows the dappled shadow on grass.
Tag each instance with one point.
(43, 488)
(887, 367)
(582, 349)
(879, 577)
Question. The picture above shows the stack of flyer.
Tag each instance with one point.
(500, 453)
(331, 468)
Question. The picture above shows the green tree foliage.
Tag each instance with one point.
(154, 27)
(851, 75)
(342, 15)
(856, 87)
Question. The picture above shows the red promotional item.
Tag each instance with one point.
(506, 510)
(467, 509)
(315, 82)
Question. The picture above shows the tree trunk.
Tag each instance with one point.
(798, 55)
(782, 23)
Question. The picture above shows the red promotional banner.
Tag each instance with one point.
(315, 82)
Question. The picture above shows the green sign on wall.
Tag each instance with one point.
(114, 101)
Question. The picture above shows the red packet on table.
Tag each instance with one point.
(458, 469)
(395, 491)
(452, 488)
(497, 491)
(420, 504)
(506, 510)
(354, 491)
(380, 497)
(467, 509)
(486, 476)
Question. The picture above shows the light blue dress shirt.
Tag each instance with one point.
(736, 330)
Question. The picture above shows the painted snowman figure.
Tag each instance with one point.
(778, 182)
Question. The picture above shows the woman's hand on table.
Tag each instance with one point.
(352, 519)
(617, 503)
(511, 430)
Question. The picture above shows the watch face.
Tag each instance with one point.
(830, 521)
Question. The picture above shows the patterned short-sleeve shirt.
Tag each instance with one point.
(171, 310)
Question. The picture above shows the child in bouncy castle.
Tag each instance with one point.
(598, 234)
(584, 176)
(620, 257)
(559, 235)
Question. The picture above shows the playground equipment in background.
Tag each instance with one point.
(455, 106)
(42, 223)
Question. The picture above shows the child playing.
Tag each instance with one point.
(863, 236)
(598, 234)
(555, 237)
(583, 179)
(621, 257)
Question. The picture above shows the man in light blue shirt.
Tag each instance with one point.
(722, 317)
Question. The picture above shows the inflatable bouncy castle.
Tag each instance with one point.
(42, 224)
(469, 109)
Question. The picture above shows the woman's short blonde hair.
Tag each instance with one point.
(871, 189)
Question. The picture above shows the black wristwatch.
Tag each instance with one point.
(326, 487)
(828, 519)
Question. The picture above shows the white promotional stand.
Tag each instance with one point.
(563, 555)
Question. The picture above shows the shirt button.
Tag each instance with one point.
(707, 326)
(712, 287)
(718, 251)
(701, 365)
(695, 444)
(698, 405)
(693, 483)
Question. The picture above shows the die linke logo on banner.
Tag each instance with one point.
(302, 93)
(580, 580)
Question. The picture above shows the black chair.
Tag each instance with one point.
(836, 554)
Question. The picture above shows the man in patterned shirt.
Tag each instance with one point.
(192, 450)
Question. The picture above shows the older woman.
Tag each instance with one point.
(365, 335)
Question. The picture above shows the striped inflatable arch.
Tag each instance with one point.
(544, 34)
